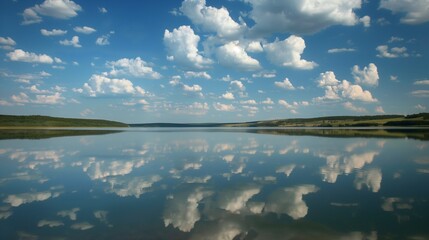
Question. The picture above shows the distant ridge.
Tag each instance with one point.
(46, 121)
(414, 120)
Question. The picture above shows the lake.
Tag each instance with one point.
(214, 184)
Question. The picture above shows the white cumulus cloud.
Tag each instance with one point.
(212, 19)
(102, 85)
(287, 53)
(301, 17)
(134, 67)
(285, 84)
(234, 56)
(72, 42)
(53, 32)
(182, 47)
(368, 75)
(416, 11)
(223, 107)
(23, 56)
(395, 52)
(60, 9)
(84, 30)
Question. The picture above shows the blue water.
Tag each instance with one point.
(183, 184)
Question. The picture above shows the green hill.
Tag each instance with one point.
(45, 121)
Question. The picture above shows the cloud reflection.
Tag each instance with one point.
(290, 201)
(181, 209)
(370, 178)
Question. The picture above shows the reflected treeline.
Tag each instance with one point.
(413, 133)
(49, 133)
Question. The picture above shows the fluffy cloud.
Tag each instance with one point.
(103, 40)
(237, 85)
(84, 30)
(254, 46)
(7, 41)
(182, 47)
(134, 67)
(53, 32)
(71, 214)
(301, 17)
(212, 19)
(355, 92)
(60, 9)
(287, 53)
(334, 88)
(368, 75)
(395, 52)
(191, 74)
(366, 21)
(351, 107)
(228, 96)
(290, 201)
(193, 90)
(73, 42)
(223, 107)
(23, 56)
(416, 11)
(234, 56)
(196, 109)
(102, 85)
(286, 84)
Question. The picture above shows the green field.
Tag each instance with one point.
(35, 121)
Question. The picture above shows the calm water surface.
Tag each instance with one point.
(197, 184)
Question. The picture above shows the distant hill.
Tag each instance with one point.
(415, 120)
(45, 121)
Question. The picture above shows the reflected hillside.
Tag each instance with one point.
(414, 133)
(49, 133)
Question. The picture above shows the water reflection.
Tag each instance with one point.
(213, 185)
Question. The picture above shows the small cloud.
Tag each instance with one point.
(351, 107)
(395, 52)
(73, 42)
(102, 9)
(7, 41)
(84, 30)
(366, 21)
(23, 56)
(340, 50)
(53, 32)
(286, 84)
(421, 82)
(103, 40)
(379, 109)
(420, 107)
(394, 78)
(420, 93)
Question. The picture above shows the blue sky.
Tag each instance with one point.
(213, 61)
